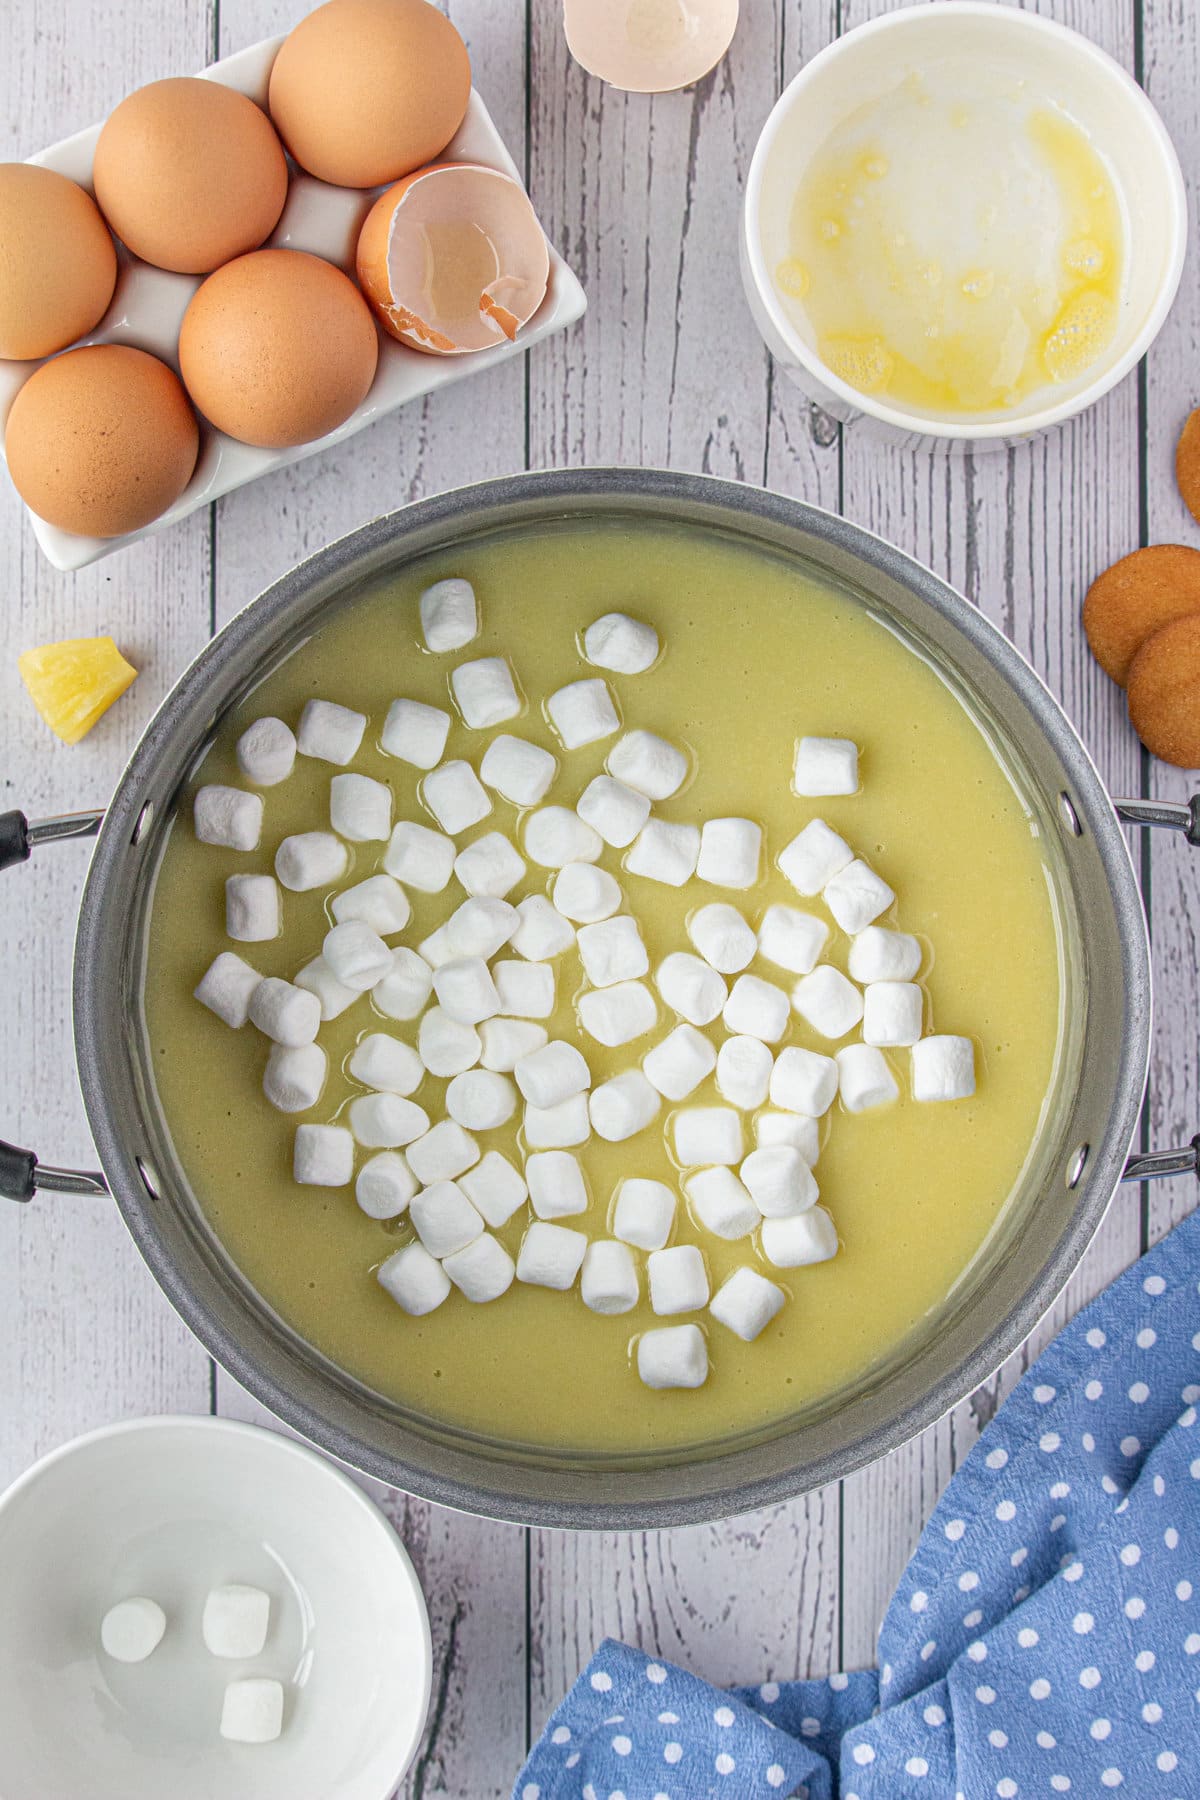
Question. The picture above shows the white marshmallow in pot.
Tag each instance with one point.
(814, 856)
(624, 645)
(678, 1065)
(792, 939)
(864, 1078)
(674, 1356)
(678, 1280)
(481, 926)
(294, 1078)
(804, 1081)
(415, 733)
(644, 1213)
(779, 1181)
(226, 988)
(385, 1064)
(323, 1156)
(443, 1154)
(385, 1185)
(252, 1710)
(444, 1218)
(744, 1067)
(285, 1013)
(518, 770)
(730, 852)
(617, 1015)
(795, 1129)
(856, 896)
(455, 796)
(329, 732)
(664, 852)
(482, 1272)
(445, 1045)
(551, 1256)
(825, 766)
(506, 1041)
(541, 932)
(585, 894)
(559, 1127)
(403, 991)
(484, 692)
(356, 955)
(612, 951)
(609, 1282)
(235, 1621)
(525, 989)
(648, 763)
(495, 1189)
(490, 867)
(616, 811)
(893, 1013)
(266, 752)
(878, 954)
(622, 1107)
(379, 902)
(228, 816)
(253, 913)
(466, 991)
(310, 859)
(756, 1008)
(746, 1303)
(708, 1134)
(419, 857)
(805, 1238)
(690, 987)
(555, 836)
(480, 1100)
(449, 614)
(360, 809)
(415, 1280)
(555, 1072)
(386, 1121)
(943, 1068)
(827, 1001)
(721, 1203)
(582, 713)
(333, 995)
(723, 938)
(437, 949)
(557, 1188)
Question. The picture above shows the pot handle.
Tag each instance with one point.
(21, 1174)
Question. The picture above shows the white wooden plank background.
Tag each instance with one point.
(642, 196)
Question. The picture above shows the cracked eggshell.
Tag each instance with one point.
(649, 46)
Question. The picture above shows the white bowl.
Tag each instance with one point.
(873, 60)
(169, 1508)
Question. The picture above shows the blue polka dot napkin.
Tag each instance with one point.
(1045, 1637)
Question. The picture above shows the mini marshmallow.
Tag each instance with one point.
(690, 987)
(252, 1710)
(333, 996)
(722, 936)
(678, 1280)
(480, 1100)
(481, 1272)
(675, 1356)
(445, 1219)
(455, 796)
(403, 992)
(506, 1041)
(329, 732)
(721, 1203)
(802, 1133)
(294, 1078)
(310, 859)
(617, 1015)
(266, 752)
(385, 1185)
(484, 692)
(678, 1065)
(827, 1001)
(804, 1081)
(617, 812)
(825, 766)
(744, 1067)
(235, 1620)
(558, 1127)
(730, 852)
(420, 858)
(323, 1156)
(746, 1303)
(612, 951)
(622, 1107)
(226, 988)
(384, 1063)
(437, 949)
(648, 763)
(583, 713)
(557, 1188)
(285, 1013)
(707, 1134)
(446, 1046)
(355, 955)
(518, 770)
(856, 896)
(415, 733)
(551, 1256)
(624, 645)
(555, 836)
(864, 1078)
(878, 954)
(779, 1181)
(495, 1189)
(133, 1629)
(542, 932)
(943, 1068)
(379, 902)
(792, 939)
(609, 1283)
(525, 989)
(481, 926)
(466, 991)
(807, 1237)
(552, 1074)
(585, 894)
(644, 1213)
(666, 853)
(490, 867)
(360, 808)
(892, 1013)
(814, 856)
(414, 1279)
(449, 614)
(229, 817)
(386, 1121)
(756, 1008)
(443, 1153)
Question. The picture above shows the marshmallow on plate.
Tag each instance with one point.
(609, 1283)
(624, 645)
(690, 987)
(506, 1041)
(480, 926)
(310, 859)
(444, 1218)
(678, 1065)
(525, 989)
(827, 1001)
(226, 988)
(384, 1063)
(360, 808)
(484, 692)
(465, 990)
(622, 1107)
(443, 1153)
(814, 856)
(878, 954)
(235, 1620)
(414, 1279)
(779, 1181)
(379, 902)
(403, 991)
(943, 1068)
(643, 1213)
(386, 1121)
(557, 1188)
(582, 713)
(804, 1081)
(518, 770)
(673, 1356)
(796, 1129)
(666, 853)
(746, 1303)
(616, 811)
(482, 1271)
(323, 1156)
(133, 1629)
(585, 894)
(864, 1078)
(329, 732)
(892, 1013)
(287, 1014)
(825, 766)
(355, 955)
(446, 1046)
(856, 896)
(721, 1203)
(293, 1078)
(266, 752)
(744, 1067)
(228, 816)
(252, 1710)
(551, 1255)
(807, 1237)
(385, 1185)
(542, 932)
(455, 796)
(730, 852)
(554, 836)
(708, 1134)
(617, 1015)
(552, 1074)
(419, 857)
(490, 867)
(495, 1189)
(612, 951)
(415, 733)
(333, 995)
(792, 939)
(722, 936)
(756, 1008)
(648, 763)
(557, 1127)
(678, 1280)
(449, 614)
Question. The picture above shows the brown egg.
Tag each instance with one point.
(58, 266)
(363, 91)
(101, 440)
(189, 174)
(278, 348)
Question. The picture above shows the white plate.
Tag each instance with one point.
(168, 1508)
(149, 305)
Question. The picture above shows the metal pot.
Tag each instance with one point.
(1069, 1180)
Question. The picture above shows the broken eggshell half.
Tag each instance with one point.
(649, 46)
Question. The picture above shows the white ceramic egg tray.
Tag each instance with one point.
(148, 307)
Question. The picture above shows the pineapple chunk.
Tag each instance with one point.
(74, 683)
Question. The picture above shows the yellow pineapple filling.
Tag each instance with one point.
(74, 683)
